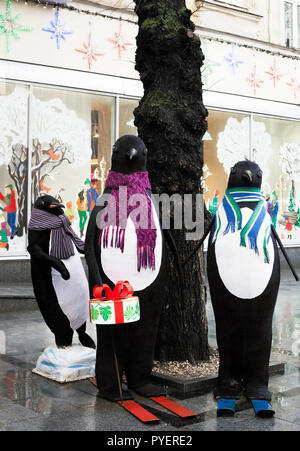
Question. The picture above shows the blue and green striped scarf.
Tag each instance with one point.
(229, 219)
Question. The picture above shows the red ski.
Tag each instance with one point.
(147, 417)
(138, 411)
(173, 407)
(134, 408)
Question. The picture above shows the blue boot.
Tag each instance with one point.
(226, 407)
(262, 408)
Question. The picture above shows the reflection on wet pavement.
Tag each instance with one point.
(30, 402)
(2, 342)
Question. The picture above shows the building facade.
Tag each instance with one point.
(68, 89)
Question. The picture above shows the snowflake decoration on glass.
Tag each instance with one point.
(232, 60)
(120, 42)
(89, 52)
(9, 25)
(274, 74)
(294, 84)
(209, 64)
(254, 80)
(57, 29)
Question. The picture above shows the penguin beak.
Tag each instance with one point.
(58, 205)
(132, 153)
(247, 175)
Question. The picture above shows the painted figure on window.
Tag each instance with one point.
(11, 208)
(4, 237)
(95, 178)
(213, 206)
(272, 206)
(274, 214)
(82, 210)
(288, 227)
(69, 211)
(91, 195)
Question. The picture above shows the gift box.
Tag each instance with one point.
(114, 307)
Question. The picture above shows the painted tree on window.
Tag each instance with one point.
(59, 137)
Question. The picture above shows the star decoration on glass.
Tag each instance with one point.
(274, 73)
(232, 60)
(9, 25)
(294, 84)
(254, 80)
(209, 64)
(89, 52)
(57, 29)
(119, 41)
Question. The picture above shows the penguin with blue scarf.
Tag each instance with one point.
(243, 271)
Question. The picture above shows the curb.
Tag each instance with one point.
(201, 385)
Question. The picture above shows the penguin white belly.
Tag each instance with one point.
(73, 294)
(243, 272)
(119, 265)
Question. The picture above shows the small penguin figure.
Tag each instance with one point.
(130, 253)
(59, 282)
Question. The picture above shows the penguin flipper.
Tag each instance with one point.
(36, 252)
(275, 234)
(226, 407)
(200, 242)
(262, 408)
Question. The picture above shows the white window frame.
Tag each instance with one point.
(296, 29)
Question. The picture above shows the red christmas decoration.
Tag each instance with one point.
(120, 42)
(89, 52)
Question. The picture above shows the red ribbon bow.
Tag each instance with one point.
(122, 290)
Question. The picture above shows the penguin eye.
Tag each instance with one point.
(145, 151)
(115, 149)
(233, 170)
(259, 174)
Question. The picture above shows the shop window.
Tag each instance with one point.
(72, 136)
(281, 181)
(226, 142)
(126, 117)
(13, 169)
(292, 23)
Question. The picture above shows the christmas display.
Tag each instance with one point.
(89, 51)
(9, 25)
(120, 42)
(57, 30)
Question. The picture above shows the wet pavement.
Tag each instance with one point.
(29, 402)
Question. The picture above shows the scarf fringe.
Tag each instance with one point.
(145, 257)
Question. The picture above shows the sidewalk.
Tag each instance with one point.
(31, 403)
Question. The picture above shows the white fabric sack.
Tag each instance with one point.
(67, 364)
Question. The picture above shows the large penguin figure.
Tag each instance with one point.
(59, 282)
(128, 253)
(244, 273)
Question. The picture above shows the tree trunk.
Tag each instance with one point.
(171, 119)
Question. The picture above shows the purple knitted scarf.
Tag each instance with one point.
(136, 183)
(62, 237)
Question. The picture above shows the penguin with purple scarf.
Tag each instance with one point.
(117, 248)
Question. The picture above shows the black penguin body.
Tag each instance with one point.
(42, 280)
(135, 342)
(243, 322)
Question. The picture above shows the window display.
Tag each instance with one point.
(72, 138)
(272, 143)
(13, 168)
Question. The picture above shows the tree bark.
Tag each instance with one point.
(171, 119)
